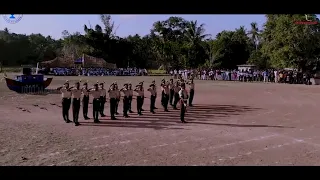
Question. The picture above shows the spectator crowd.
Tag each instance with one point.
(289, 76)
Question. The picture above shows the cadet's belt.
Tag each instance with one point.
(85, 95)
(76, 98)
(66, 98)
(95, 98)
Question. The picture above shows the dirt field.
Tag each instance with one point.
(231, 124)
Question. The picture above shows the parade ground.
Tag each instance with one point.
(231, 123)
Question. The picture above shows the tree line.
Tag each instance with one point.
(177, 43)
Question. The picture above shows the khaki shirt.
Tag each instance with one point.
(155, 90)
(126, 92)
(176, 89)
(103, 92)
(165, 89)
(130, 92)
(112, 93)
(76, 93)
(65, 93)
(191, 86)
(183, 94)
(152, 91)
(95, 94)
(85, 92)
(140, 93)
(118, 94)
(171, 86)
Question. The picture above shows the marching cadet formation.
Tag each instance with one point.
(171, 93)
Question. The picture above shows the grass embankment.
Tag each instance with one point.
(152, 72)
(157, 72)
(11, 69)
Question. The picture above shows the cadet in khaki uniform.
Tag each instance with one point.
(142, 90)
(118, 96)
(183, 101)
(152, 97)
(166, 91)
(171, 95)
(85, 100)
(176, 89)
(162, 91)
(140, 95)
(155, 89)
(191, 84)
(130, 97)
(96, 102)
(103, 99)
(113, 100)
(76, 96)
(66, 101)
(126, 94)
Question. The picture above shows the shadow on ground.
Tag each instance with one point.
(199, 114)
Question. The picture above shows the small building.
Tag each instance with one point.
(246, 67)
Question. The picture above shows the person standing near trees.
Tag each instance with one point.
(66, 100)
(140, 95)
(171, 95)
(103, 99)
(76, 95)
(183, 94)
(142, 89)
(85, 100)
(165, 94)
(155, 89)
(191, 84)
(152, 97)
(176, 89)
(113, 100)
(126, 94)
(95, 92)
(130, 97)
(118, 97)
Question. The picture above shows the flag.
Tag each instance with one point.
(78, 61)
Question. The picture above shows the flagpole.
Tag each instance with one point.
(37, 68)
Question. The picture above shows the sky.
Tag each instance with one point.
(53, 25)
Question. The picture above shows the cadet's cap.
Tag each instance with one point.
(101, 84)
(151, 85)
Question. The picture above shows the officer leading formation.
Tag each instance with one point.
(172, 93)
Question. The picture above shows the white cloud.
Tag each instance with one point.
(127, 16)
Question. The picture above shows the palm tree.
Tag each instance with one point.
(255, 34)
(195, 33)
